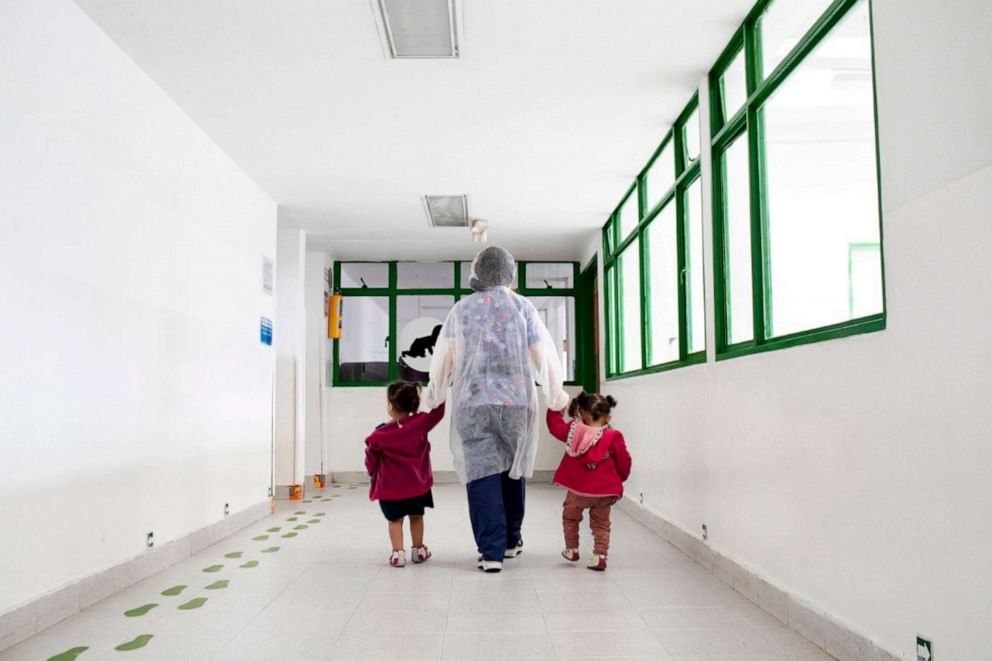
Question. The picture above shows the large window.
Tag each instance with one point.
(654, 261)
(797, 238)
(394, 310)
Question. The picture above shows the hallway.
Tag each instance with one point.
(327, 593)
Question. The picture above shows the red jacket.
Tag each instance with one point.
(608, 455)
(398, 457)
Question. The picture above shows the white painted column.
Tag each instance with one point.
(289, 339)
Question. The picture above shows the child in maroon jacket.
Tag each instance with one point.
(594, 468)
(398, 458)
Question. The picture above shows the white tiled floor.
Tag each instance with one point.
(328, 594)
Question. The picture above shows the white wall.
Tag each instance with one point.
(289, 340)
(318, 353)
(855, 473)
(135, 394)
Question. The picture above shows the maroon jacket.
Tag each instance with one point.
(600, 471)
(398, 457)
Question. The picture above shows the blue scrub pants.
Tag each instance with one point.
(496, 508)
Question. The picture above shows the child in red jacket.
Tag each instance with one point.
(594, 468)
(398, 458)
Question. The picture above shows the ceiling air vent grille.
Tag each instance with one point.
(419, 28)
(446, 210)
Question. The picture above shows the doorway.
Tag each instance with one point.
(588, 325)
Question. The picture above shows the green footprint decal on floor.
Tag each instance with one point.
(139, 611)
(233, 554)
(326, 500)
(173, 591)
(260, 538)
(300, 512)
(290, 534)
(335, 486)
(271, 549)
(306, 501)
(275, 529)
(251, 564)
(69, 655)
(193, 604)
(292, 518)
(218, 585)
(213, 569)
(320, 514)
(135, 644)
(314, 521)
(302, 526)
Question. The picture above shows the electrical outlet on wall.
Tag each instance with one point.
(706, 532)
(150, 539)
(227, 508)
(924, 649)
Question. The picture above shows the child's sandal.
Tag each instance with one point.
(420, 554)
(572, 555)
(397, 558)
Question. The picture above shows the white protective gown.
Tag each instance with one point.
(491, 352)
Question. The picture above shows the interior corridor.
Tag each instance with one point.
(326, 593)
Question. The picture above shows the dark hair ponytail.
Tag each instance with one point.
(404, 396)
(597, 406)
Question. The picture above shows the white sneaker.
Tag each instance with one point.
(490, 566)
(420, 554)
(515, 551)
(398, 558)
(572, 555)
(597, 562)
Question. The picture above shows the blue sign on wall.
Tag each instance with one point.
(265, 331)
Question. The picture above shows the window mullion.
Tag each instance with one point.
(645, 295)
(392, 320)
(756, 184)
(681, 229)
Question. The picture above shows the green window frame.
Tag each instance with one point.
(687, 173)
(749, 123)
(457, 291)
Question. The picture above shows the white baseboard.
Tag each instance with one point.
(816, 625)
(23, 621)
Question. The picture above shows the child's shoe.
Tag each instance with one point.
(596, 562)
(572, 555)
(515, 551)
(398, 558)
(420, 554)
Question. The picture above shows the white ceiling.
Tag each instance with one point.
(543, 122)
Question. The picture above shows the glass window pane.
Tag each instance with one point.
(611, 331)
(822, 184)
(663, 269)
(690, 137)
(782, 26)
(628, 215)
(630, 307)
(425, 275)
(364, 343)
(550, 276)
(418, 322)
(661, 175)
(466, 273)
(737, 238)
(695, 295)
(865, 280)
(733, 86)
(558, 314)
(608, 237)
(362, 274)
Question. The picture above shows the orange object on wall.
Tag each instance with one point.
(295, 492)
(334, 317)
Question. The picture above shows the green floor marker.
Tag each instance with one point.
(68, 655)
(300, 512)
(335, 486)
(260, 538)
(139, 611)
(218, 585)
(135, 644)
(302, 526)
(233, 554)
(174, 591)
(213, 569)
(271, 549)
(250, 564)
(193, 604)
(314, 521)
(306, 501)
(290, 534)
(276, 529)
(320, 514)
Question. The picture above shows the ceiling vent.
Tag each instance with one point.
(446, 210)
(419, 28)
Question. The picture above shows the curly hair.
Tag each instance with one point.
(597, 406)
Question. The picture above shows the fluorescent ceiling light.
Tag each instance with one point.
(420, 28)
(446, 210)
